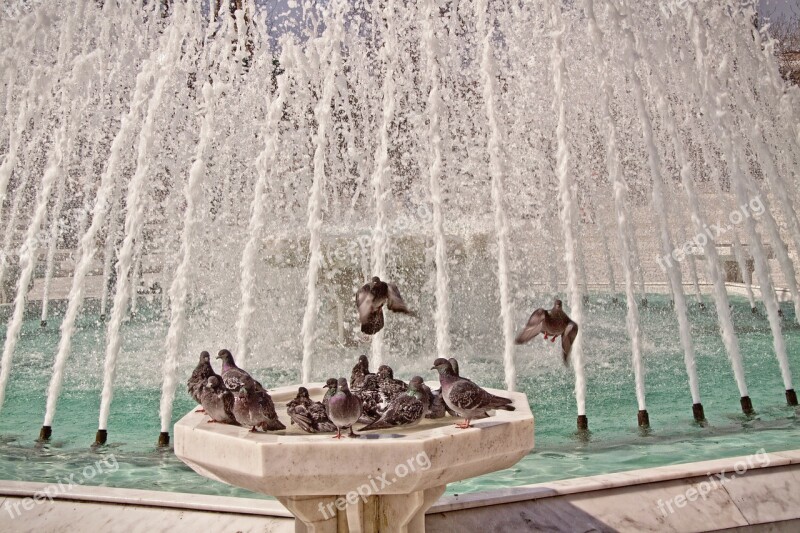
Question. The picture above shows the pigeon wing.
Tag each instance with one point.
(533, 327)
(567, 339)
(364, 300)
(396, 302)
(467, 396)
(300, 416)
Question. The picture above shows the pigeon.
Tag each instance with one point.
(253, 407)
(233, 376)
(433, 403)
(217, 401)
(405, 409)
(331, 384)
(344, 409)
(389, 386)
(200, 374)
(372, 402)
(553, 323)
(454, 365)
(370, 300)
(360, 371)
(308, 414)
(465, 397)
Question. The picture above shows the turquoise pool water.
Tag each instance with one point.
(614, 443)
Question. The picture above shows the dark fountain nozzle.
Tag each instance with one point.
(44, 433)
(583, 423)
(43, 324)
(791, 397)
(697, 411)
(101, 437)
(643, 418)
(163, 439)
(747, 405)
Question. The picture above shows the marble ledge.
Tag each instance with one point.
(609, 481)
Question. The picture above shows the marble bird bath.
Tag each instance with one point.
(383, 481)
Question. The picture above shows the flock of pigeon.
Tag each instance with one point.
(377, 400)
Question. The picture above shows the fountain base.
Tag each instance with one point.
(697, 411)
(43, 324)
(101, 437)
(383, 481)
(163, 439)
(791, 397)
(583, 423)
(643, 418)
(747, 405)
(45, 433)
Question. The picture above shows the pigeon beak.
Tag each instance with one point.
(325, 387)
(433, 368)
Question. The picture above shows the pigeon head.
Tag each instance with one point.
(363, 362)
(342, 386)
(331, 384)
(226, 356)
(443, 366)
(376, 279)
(385, 371)
(557, 304)
(205, 357)
(415, 384)
(302, 392)
(212, 382)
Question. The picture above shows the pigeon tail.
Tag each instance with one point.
(272, 424)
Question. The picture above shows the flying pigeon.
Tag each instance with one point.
(344, 409)
(308, 414)
(465, 397)
(254, 408)
(217, 401)
(200, 374)
(233, 376)
(389, 386)
(553, 323)
(360, 371)
(370, 300)
(405, 409)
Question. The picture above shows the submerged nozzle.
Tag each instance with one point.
(163, 439)
(747, 405)
(44, 433)
(697, 411)
(791, 397)
(643, 418)
(583, 423)
(101, 437)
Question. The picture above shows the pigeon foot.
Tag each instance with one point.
(201, 410)
(464, 425)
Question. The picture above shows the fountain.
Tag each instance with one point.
(257, 163)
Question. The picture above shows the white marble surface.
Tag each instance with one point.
(293, 463)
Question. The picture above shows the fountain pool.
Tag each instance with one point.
(615, 443)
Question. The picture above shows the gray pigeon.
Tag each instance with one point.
(233, 376)
(308, 414)
(344, 409)
(200, 374)
(254, 408)
(360, 372)
(389, 386)
(370, 300)
(553, 323)
(465, 397)
(217, 401)
(405, 409)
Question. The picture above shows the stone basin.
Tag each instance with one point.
(382, 481)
